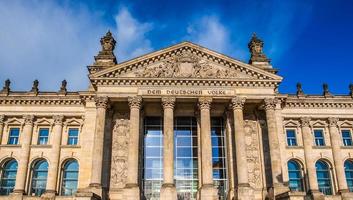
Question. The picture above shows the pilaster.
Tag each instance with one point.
(2, 119)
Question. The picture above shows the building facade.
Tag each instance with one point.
(181, 123)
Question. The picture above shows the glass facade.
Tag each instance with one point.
(319, 138)
(8, 177)
(153, 157)
(295, 176)
(13, 136)
(43, 136)
(348, 168)
(39, 178)
(69, 178)
(219, 156)
(186, 157)
(347, 137)
(323, 177)
(291, 138)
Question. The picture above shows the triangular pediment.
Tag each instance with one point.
(185, 61)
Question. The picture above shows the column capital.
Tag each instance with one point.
(28, 119)
(58, 119)
(102, 102)
(205, 103)
(135, 101)
(332, 121)
(270, 103)
(168, 102)
(238, 102)
(2, 119)
(305, 121)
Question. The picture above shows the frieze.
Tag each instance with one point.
(186, 92)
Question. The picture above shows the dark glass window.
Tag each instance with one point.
(13, 136)
(347, 137)
(186, 157)
(323, 177)
(153, 157)
(8, 177)
(348, 168)
(295, 176)
(39, 178)
(291, 137)
(43, 136)
(69, 178)
(219, 156)
(73, 136)
(319, 138)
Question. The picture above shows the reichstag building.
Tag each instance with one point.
(181, 123)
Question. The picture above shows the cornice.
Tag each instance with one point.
(317, 102)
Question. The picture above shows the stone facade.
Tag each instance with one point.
(179, 81)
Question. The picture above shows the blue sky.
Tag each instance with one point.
(308, 41)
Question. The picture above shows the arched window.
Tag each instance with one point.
(8, 177)
(39, 177)
(69, 178)
(348, 168)
(323, 177)
(295, 176)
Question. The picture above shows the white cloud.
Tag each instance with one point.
(131, 36)
(47, 41)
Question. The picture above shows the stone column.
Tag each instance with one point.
(168, 191)
(336, 152)
(97, 161)
(230, 155)
(277, 180)
(132, 190)
(309, 160)
(55, 156)
(2, 118)
(26, 138)
(208, 191)
(243, 188)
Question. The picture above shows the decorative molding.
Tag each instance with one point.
(305, 121)
(2, 119)
(333, 121)
(28, 119)
(102, 102)
(168, 102)
(58, 119)
(205, 103)
(238, 102)
(270, 103)
(135, 102)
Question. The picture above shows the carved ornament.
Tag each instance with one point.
(2, 119)
(58, 119)
(333, 121)
(270, 104)
(305, 121)
(135, 102)
(168, 102)
(28, 119)
(238, 102)
(205, 103)
(102, 102)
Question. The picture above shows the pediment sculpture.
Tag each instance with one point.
(186, 65)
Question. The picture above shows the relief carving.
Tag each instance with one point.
(253, 153)
(120, 151)
(185, 65)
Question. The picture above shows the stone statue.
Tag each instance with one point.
(256, 49)
(6, 88)
(63, 87)
(326, 90)
(351, 89)
(108, 42)
(106, 55)
(300, 91)
(35, 86)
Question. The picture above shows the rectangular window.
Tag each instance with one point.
(73, 136)
(291, 138)
(13, 136)
(319, 138)
(347, 137)
(43, 136)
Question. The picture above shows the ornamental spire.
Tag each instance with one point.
(106, 55)
(258, 58)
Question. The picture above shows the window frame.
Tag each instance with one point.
(77, 137)
(9, 135)
(34, 163)
(330, 177)
(323, 137)
(295, 136)
(350, 137)
(48, 137)
(301, 173)
(350, 188)
(6, 162)
(62, 179)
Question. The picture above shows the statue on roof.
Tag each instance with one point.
(256, 49)
(106, 55)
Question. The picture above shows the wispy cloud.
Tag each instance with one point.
(131, 35)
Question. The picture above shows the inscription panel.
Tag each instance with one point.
(186, 92)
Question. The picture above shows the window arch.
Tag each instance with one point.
(39, 177)
(295, 176)
(323, 177)
(8, 177)
(69, 181)
(348, 168)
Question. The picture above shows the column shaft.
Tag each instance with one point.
(240, 146)
(26, 137)
(270, 105)
(55, 154)
(133, 158)
(230, 156)
(310, 165)
(2, 118)
(336, 152)
(97, 161)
